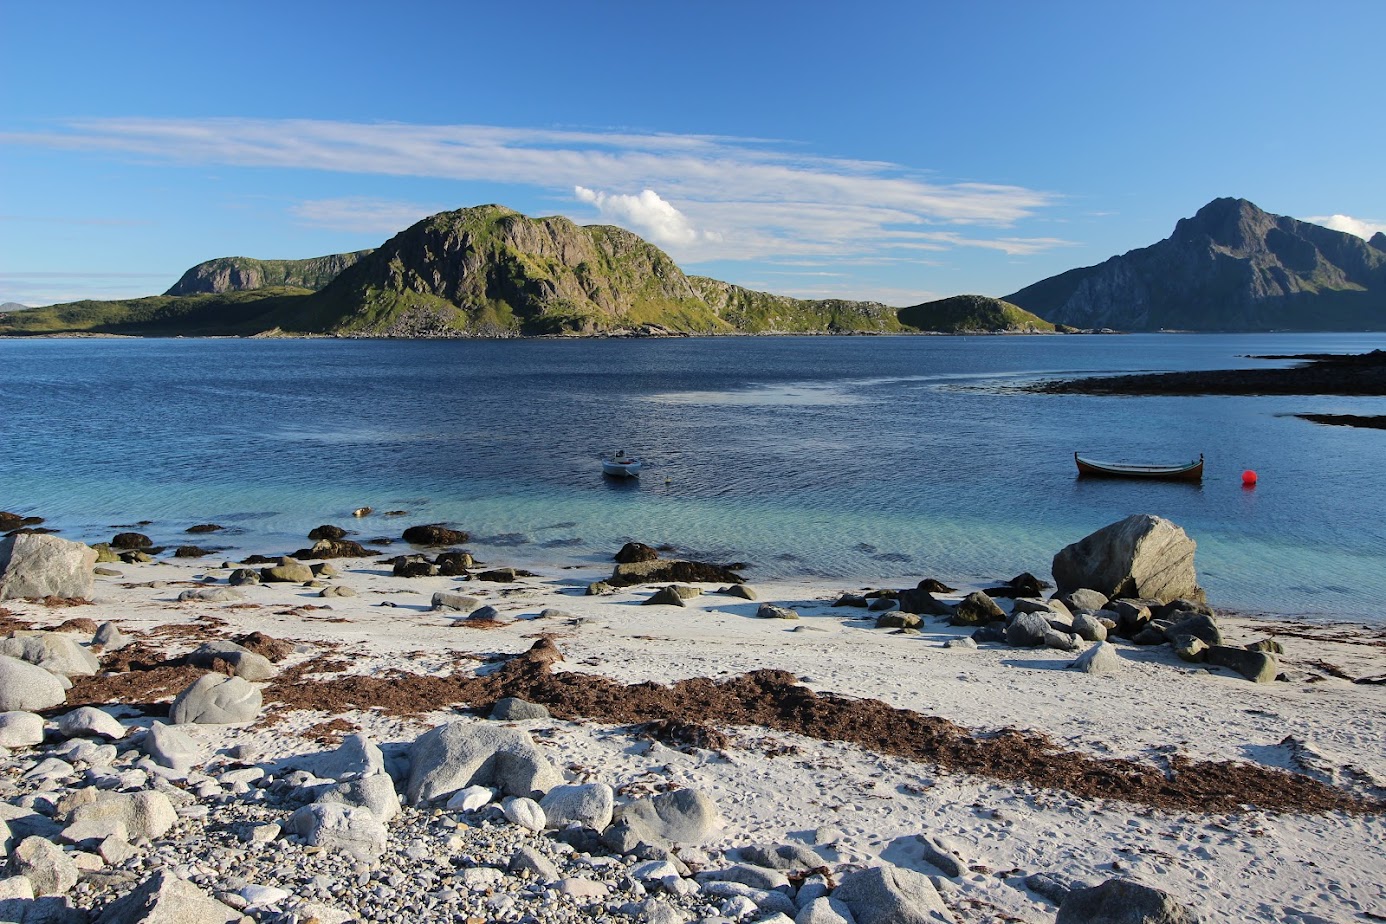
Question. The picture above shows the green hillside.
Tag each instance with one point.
(964, 314)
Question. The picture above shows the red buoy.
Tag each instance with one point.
(1248, 478)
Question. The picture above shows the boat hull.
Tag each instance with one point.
(620, 469)
(1189, 471)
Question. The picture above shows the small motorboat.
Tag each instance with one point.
(621, 466)
(1185, 471)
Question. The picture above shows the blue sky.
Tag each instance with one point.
(893, 151)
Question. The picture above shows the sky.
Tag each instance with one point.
(893, 151)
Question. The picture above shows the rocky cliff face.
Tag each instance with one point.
(240, 274)
(1378, 241)
(1231, 266)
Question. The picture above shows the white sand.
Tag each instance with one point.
(1251, 866)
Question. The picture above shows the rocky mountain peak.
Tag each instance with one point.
(1379, 241)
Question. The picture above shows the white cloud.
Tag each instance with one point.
(763, 198)
(647, 214)
(362, 214)
(1362, 227)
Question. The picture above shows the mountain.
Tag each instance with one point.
(240, 274)
(964, 314)
(13, 306)
(1231, 266)
(1379, 241)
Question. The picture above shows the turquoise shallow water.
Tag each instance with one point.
(860, 458)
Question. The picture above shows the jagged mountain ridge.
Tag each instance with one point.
(1231, 266)
(241, 274)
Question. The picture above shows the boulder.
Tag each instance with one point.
(327, 531)
(589, 805)
(891, 895)
(1088, 628)
(633, 552)
(288, 571)
(131, 541)
(1118, 901)
(665, 596)
(434, 534)
(338, 590)
(460, 754)
(356, 757)
(171, 748)
(977, 609)
(215, 699)
(898, 620)
(1027, 630)
(243, 576)
(165, 899)
(88, 720)
(740, 590)
(339, 828)
(1256, 666)
(1082, 599)
(334, 548)
(53, 651)
(684, 816)
(36, 565)
(771, 611)
(524, 812)
(923, 602)
(447, 600)
(786, 857)
(527, 859)
(28, 687)
(1140, 556)
(824, 910)
(20, 729)
(375, 793)
(1199, 625)
(1024, 584)
(147, 813)
(1101, 658)
(512, 709)
(47, 867)
(109, 637)
(453, 564)
(247, 664)
(668, 571)
(1189, 648)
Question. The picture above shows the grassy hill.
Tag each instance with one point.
(963, 314)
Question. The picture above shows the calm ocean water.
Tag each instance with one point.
(860, 458)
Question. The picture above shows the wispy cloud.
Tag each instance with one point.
(362, 214)
(1362, 227)
(50, 288)
(702, 196)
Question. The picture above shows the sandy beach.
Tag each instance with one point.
(1252, 854)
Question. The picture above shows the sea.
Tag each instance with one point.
(862, 460)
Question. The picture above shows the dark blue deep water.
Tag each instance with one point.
(861, 458)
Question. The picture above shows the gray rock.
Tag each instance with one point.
(1061, 641)
(88, 720)
(488, 614)
(1027, 630)
(943, 855)
(460, 754)
(53, 651)
(1256, 666)
(825, 910)
(771, 611)
(589, 805)
(891, 895)
(109, 637)
(165, 899)
(243, 577)
(248, 664)
(1049, 886)
(1049, 609)
(47, 867)
(684, 816)
(1082, 599)
(1190, 648)
(1140, 556)
(1150, 635)
(1198, 625)
(337, 590)
(882, 603)
(215, 699)
(339, 828)
(288, 571)
(528, 860)
(20, 729)
(757, 877)
(27, 687)
(913, 600)
(1088, 628)
(446, 600)
(1101, 658)
(40, 565)
(211, 595)
(357, 756)
(375, 793)
(977, 609)
(962, 644)
(788, 857)
(898, 620)
(511, 709)
(1118, 901)
(146, 814)
(524, 812)
(768, 901)
(740, 590)
(169, 747)
(665, 596)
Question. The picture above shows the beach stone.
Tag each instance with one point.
(169, 747)
(524, 812)
(131, 540)
(337, 590)
(580, 888)
(633, 552)
(923, 601)
(470, 799)
(446, 600)
(459, 754)
(1101, 658)
(764, 900)
(589, 805)
(487, 614)
(1061, 641)
(963, 644)
(288, 571)
(684, 816)
(527, 859)
(672, 571)
(943, 854)
(38, 565)
(454, 564)
(248, 664)
(1118, 901)
(882, 603)
(97, 831)
(261, 896)
(49, 870)
(215, 699)
(53, 651)
(1027, 630)
(145, 814)
(599, 588)
(1131, 614)
(109, 637)
(243, 577)
(976, 609)
(855, 600)
(1199, 625)
(339, 828)
(1190, 648)
(88, 720)
(757, 877)
(20, 887)
(1082, 599)
(825, 910)
(499, 575)
(375, 793)
(20, 729)
(1049, 609)
(771, 611)
(414, 567)
(165, 899)
(357, 756)
(665, 596)
(1088, 628)
(743, 591)
(1141, 556)
(333, 548)
(326, 531)
(1256, 666)
(891, 895)
(1268, 645)
(898, 620)
(27, 687)
(434, 534)
(1177, 609)
(511, 709)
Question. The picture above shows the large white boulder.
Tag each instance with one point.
(340, 828)
(215, 699)
(1141, 556)
(891, 895)
(461, 754)
(27, 687)
(165, 899)
(39, 565)
(52, 651)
